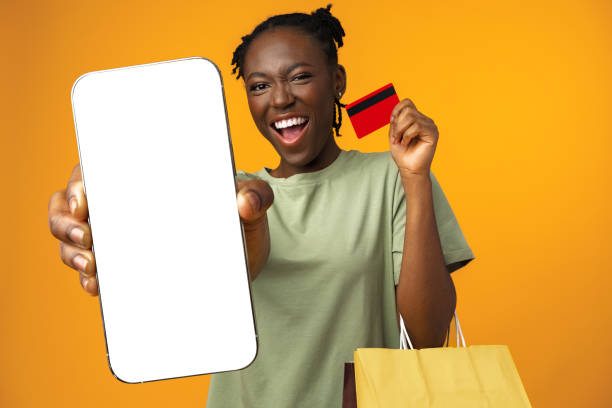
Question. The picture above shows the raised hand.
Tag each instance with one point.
(413, 138)
(254, 197)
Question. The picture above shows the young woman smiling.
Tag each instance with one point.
(339, 242)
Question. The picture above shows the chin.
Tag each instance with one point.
(299, 158)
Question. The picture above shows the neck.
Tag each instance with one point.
(327, 156)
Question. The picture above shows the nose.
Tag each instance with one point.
(282, 96)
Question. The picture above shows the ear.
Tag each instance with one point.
(340, 80)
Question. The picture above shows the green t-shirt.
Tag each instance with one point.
(337, 237)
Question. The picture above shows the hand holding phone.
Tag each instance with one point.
(158, 174)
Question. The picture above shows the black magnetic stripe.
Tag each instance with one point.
(372, 100)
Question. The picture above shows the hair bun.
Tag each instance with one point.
(320, 24)
(326, 19)
(322, 12)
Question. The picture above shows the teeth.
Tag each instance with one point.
(281, 124)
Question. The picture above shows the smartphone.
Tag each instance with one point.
(158, 172)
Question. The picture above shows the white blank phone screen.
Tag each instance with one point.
(158, 172)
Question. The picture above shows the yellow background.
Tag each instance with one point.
(521, 94)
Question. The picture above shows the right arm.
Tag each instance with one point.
(254, 197)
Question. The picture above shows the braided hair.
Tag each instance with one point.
(320, 24)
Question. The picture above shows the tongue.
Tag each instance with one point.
(292, 132)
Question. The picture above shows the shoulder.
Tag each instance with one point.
(375, 172)
(368, 156)
(245, 176)
(372, 162)
(383, 162)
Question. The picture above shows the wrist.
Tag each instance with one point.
(410, 176)
(416, 185)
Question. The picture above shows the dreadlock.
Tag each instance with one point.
(320, 24)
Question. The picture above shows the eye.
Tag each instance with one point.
(302, 76)
(258, 87)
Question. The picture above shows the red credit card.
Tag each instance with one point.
(373, 111)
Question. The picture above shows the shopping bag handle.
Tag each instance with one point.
(405, 339)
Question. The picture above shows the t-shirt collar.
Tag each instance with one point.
(301, 178)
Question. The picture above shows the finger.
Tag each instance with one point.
(254, 197)
(400, 106)
(405, 119)
(410, 133)
(75, 195)
(410, 102)
(64, 226)
(81, 260)
(89, 284)
(84, 263)
(396, 110)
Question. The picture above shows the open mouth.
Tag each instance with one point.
(290, 130)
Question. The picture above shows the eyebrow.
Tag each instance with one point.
(289, 69)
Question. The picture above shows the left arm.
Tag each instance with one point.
(425, 292)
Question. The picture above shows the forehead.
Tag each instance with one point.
(275, 49)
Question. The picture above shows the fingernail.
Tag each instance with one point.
(253, 199)
(76, 235)
(73, 205)
(83, 280)
(80, 262)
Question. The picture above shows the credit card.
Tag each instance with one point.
(373, 111)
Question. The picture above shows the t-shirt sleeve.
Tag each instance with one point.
(455, 248)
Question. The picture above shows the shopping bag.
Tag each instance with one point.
(474, 376)
(349, 397)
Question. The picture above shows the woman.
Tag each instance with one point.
(339, 241)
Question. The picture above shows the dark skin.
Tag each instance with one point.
(287, 73)
(276, 83)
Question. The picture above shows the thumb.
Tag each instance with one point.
(254, 197)
(75, 195)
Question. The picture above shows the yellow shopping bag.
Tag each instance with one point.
(474, 376)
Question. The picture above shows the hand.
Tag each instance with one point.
(254, 197)
(413, 138)
(68, 213)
